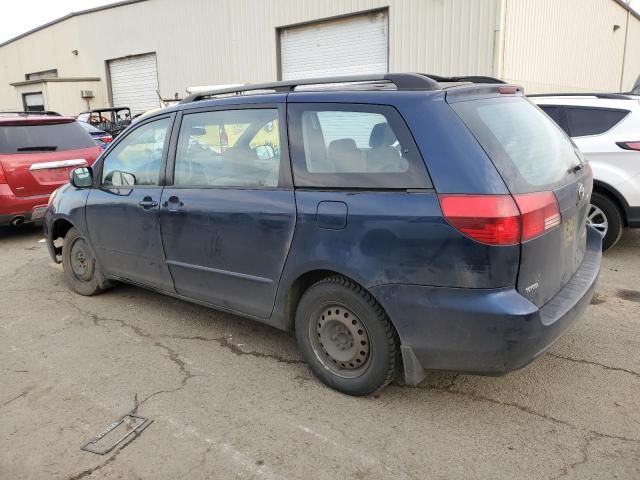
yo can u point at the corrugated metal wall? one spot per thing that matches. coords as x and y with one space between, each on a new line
567 45
204 42
632 57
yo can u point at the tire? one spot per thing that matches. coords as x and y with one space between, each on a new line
81 271
606 217
346 337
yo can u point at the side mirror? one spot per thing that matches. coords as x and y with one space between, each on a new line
82 177
265 152
122 179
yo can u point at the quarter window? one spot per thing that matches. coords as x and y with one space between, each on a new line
353 146
229 148
136 160
593 121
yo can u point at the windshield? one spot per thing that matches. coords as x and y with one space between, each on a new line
529 150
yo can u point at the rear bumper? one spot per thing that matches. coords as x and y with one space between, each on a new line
28 208
490 331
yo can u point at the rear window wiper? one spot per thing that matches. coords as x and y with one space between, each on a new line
47 148
576 168
39 148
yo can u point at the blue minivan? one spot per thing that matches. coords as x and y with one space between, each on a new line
393 222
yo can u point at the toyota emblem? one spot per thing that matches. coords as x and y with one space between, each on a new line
580 193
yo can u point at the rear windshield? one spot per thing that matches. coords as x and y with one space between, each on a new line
529 150
43 138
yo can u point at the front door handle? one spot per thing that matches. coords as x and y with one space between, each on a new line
147 203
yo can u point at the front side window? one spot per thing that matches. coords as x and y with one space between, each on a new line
353 146
136 160
229 148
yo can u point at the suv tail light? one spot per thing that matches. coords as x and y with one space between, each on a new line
3 179
106 139
629 145
502 219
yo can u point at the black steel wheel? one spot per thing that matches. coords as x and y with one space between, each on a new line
82 272
346 337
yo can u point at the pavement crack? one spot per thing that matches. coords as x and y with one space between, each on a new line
584 457
226 343
182 366
92 470
480 398
98 320
15 398
589 362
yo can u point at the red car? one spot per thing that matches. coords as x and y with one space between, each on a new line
37 152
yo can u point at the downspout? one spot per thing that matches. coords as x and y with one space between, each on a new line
624 51
499 39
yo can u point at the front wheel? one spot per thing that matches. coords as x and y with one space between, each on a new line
82 272
346 337
605 216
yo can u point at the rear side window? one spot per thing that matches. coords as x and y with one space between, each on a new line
528 149
43 138
555 112
585 121
353 146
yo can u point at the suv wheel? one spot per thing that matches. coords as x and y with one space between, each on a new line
605 217
346 337
82 272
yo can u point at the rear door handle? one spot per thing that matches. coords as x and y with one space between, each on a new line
147 203
173 204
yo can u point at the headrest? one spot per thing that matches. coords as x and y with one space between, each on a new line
342 145
382 136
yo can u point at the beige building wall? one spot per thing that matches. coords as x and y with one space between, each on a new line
204 42
632 57
544 45
568 45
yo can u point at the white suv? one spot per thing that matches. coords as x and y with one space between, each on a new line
606 128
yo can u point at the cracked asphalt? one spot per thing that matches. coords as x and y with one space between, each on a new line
230 398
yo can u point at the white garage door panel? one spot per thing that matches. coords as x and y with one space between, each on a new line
134 83
350 46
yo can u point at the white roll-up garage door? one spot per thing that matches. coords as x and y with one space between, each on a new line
134 82
349 46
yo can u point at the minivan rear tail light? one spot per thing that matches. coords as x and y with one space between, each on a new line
539 213
502 219
629 145
491 219
3 179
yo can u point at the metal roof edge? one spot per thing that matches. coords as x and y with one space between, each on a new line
628 8
71 15
54 79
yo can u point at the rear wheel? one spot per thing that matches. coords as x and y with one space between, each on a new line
82 272
605 216
346 337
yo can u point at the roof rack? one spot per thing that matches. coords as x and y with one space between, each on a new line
44 112
610 96
402 81
466 79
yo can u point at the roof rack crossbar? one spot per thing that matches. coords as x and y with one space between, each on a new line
402 81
